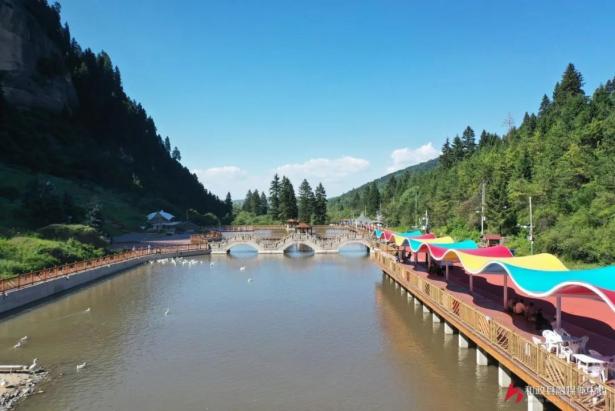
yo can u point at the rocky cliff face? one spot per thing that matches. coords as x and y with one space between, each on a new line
30 61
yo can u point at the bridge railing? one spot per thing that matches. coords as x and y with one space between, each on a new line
28 279
577 388
331 242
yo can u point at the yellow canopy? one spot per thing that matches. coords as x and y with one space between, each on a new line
475 264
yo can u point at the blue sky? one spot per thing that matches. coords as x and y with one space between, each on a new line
337 91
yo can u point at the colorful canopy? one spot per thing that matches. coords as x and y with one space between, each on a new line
539 275
416 244
543 283
402 238
442 253
437 251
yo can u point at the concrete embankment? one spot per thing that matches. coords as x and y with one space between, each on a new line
18 298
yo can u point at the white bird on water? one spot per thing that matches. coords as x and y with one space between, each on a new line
3 383
242 268
249 280
24 338
18 345
87 310
167 312
34 364
81 366
212 264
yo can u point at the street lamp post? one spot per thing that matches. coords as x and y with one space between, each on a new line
482 211
531 228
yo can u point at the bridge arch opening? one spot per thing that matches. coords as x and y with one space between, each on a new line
242 249
299 250
354 249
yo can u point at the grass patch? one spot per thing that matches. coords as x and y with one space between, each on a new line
25 253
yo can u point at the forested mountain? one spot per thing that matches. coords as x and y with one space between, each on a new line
64 112
368 198
563 156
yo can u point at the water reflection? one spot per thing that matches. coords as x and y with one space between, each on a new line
448 377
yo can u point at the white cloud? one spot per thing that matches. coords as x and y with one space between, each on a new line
405 157
337 175
324 169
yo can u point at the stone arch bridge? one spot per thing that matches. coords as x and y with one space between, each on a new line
318 244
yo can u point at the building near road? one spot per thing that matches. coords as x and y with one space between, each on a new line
161 220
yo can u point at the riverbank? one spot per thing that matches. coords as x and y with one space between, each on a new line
35 287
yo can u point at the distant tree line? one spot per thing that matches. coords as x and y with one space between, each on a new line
309 205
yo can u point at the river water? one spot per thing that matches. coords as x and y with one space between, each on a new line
294 332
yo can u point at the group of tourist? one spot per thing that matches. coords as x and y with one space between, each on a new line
528 310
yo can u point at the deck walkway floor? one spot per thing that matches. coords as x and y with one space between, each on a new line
578 315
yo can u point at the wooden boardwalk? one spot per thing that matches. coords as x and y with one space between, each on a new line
481 321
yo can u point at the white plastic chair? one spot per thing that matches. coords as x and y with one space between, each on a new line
553 341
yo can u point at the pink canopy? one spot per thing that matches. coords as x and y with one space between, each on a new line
498 251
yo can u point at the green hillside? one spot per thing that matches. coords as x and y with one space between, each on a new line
101 146
79 159
563 156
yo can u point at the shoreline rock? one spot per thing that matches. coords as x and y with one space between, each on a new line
18 385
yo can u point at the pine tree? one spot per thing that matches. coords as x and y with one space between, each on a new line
263 206
228 205
457 150
274 197
95 218
3 104
446 157
228 202
390 189
469 142
40 204
524 165
488 139
255 202
571 84
320 205
544 105
373 199
288 201
305 202
167 144
176 155
247 202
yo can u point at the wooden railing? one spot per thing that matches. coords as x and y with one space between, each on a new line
556 377
28 279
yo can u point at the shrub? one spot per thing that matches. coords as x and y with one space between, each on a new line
82 233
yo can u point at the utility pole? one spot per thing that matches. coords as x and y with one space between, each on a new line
426 222
416 208
482 211
531 228
509 123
